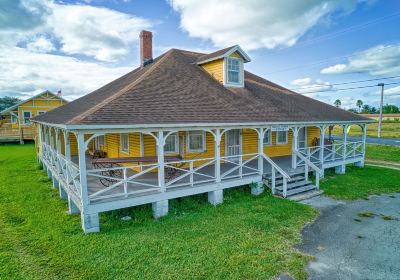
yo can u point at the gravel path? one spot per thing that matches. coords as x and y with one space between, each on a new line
354 239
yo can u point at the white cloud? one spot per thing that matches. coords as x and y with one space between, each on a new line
379 60
97 32
301 82
104 34
254 23
392 91
308 85
24 73
41 45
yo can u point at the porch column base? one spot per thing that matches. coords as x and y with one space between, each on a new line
90 222
322 175
216 197
72 208
341 169
63 193
257 190
49 175
359 163
160 208
56 184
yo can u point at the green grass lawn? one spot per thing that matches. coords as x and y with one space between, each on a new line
390 129
383 153
244 238
360 182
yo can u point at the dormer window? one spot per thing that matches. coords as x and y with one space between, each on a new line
233 70
226 65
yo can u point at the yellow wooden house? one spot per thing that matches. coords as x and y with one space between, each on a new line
187 123
16 122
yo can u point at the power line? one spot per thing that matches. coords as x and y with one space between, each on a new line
318 62
351 88
337 33
346 83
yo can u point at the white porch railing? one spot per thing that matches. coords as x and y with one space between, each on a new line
240 166
274 169
331 153
66 170
190 172
127 183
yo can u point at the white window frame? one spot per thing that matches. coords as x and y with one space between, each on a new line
120 143
23 116
99 145
270 138
241 75
305 138
203 134
15 118
277 138
175 134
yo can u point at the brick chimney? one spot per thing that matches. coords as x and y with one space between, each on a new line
146 47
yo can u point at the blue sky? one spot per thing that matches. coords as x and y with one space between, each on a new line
78 46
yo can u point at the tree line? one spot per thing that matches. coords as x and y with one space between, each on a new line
368 109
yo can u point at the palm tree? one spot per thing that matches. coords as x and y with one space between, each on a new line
359 105
337 103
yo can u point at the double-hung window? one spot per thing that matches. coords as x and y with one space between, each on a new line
195 141
99 142
233 71
124 142
14 118
281 137
27 117
171 144
267 138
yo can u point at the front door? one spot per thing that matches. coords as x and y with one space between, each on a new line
302 138
233 146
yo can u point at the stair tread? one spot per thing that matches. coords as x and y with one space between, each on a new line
302 189
294 185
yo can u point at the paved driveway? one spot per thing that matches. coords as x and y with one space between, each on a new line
349 245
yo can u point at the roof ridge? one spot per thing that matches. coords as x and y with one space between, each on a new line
121 92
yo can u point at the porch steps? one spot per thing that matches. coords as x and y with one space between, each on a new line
297 186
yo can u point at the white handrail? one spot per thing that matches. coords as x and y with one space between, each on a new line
280 170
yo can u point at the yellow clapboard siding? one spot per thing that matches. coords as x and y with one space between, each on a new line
215 69
249 145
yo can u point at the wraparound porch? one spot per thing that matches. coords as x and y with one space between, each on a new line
147 183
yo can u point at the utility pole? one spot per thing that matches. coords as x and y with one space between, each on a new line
382 85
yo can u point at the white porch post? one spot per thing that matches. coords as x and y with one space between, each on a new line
67 145
58 141
261 132
322 148
217 196
363 139
160 208
51 138
341 169
295 140
217 155
90 221
160 160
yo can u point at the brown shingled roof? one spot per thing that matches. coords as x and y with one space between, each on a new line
174 89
